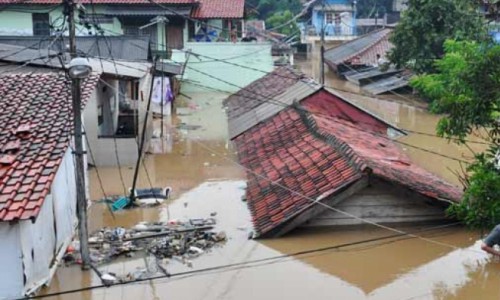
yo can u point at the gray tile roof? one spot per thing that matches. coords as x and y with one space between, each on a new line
249 119
261 90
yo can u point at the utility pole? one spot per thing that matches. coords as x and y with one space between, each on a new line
163 20
322 47
81 199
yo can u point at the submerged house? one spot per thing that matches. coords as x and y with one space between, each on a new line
115 113
363 61
37 179
315 159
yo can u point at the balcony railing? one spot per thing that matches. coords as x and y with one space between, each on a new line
341 33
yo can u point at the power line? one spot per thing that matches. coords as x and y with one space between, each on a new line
241 265
304 80
277 102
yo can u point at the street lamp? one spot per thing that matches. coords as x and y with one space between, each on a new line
79 68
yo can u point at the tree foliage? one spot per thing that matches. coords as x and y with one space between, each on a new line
466 88
480 206
419 36
281 18
266 8
369 8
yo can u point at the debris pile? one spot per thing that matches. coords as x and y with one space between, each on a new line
175 239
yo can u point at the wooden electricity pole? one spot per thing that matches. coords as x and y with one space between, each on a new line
81 199
322 48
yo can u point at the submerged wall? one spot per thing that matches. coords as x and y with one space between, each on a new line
383 202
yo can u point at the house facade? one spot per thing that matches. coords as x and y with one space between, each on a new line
186 20
37 178
315 159
336 17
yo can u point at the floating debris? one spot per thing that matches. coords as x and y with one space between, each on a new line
181 240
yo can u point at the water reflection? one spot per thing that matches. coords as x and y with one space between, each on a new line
205 182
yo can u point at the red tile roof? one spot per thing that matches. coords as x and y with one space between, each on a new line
386 159
35 124
99 2
219 9
319 153
283 150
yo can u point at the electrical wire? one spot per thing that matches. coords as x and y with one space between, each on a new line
305 80
277 102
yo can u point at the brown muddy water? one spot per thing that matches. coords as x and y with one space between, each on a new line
197 164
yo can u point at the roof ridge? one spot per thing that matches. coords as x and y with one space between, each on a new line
311 125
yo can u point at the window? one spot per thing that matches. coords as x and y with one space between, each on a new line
41 24
329 17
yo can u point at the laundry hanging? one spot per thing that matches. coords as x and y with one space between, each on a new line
168 95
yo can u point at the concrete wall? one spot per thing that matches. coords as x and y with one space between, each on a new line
29 252
104 148
253 55
21 23
382 202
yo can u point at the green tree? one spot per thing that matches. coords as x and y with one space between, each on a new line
281 18
466 88
267 8
419 36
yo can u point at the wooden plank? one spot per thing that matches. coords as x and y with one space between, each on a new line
316 209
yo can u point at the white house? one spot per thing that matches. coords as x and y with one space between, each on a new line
37 181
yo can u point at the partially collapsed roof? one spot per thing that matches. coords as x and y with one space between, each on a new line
312 149
361 51
35 130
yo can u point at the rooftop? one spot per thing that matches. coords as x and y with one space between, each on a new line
361 51
102 2
35 129
265 88
315 149
219 9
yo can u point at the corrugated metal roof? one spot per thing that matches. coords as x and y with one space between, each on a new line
349 50
117 47
146 11
169 68
295 93
386 85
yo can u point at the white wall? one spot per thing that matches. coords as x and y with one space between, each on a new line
103 149
248 55
29 250
11 270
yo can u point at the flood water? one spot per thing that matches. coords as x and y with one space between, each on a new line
198 163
